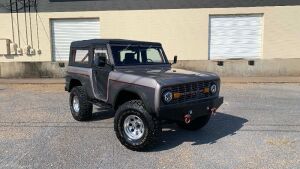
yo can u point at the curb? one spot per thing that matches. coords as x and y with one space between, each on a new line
33 81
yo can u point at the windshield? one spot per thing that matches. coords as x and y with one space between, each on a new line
126 55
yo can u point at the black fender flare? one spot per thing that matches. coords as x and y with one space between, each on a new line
142 94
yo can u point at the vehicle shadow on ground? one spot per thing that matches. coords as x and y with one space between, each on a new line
220 125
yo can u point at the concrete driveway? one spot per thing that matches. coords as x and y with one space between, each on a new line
257 127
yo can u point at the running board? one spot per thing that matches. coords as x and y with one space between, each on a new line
101 104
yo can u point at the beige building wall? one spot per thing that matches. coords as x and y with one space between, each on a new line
183 32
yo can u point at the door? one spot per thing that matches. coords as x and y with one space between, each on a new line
235 37
64 31
100 74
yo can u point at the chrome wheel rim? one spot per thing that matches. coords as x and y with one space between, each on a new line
76 104
134 127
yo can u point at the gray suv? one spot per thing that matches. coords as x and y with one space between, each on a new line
135 79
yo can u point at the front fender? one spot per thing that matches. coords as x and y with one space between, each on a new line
147 94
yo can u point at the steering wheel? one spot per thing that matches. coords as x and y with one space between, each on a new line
149 60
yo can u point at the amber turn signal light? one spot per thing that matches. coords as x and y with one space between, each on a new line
177 95
206 90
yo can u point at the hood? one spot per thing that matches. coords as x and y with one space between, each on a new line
169 76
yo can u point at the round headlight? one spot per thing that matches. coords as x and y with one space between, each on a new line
167 96
213 88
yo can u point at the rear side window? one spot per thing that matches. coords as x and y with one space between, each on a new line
81 56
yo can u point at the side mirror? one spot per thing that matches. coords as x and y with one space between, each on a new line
175 60
100 59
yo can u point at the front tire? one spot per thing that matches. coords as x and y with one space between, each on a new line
81 109
135 128
196 124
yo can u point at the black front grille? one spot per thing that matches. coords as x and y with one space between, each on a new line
190 91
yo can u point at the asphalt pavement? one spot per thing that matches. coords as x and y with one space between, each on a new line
258 126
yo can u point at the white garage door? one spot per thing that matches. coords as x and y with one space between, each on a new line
64 31
235 37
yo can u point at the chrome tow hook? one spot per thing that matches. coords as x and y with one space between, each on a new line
212 110
188 117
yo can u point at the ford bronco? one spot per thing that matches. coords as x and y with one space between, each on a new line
136 80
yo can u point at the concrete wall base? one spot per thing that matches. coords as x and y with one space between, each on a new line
241 68
230 68
32 70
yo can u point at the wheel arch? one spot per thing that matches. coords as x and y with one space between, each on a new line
125 95
73 83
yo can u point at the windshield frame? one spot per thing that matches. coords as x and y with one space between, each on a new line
164 58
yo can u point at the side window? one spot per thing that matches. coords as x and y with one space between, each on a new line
81 56
100 52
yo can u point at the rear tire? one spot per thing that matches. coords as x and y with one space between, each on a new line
81 109
196 124
135 128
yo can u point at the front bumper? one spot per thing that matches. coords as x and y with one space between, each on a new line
197 108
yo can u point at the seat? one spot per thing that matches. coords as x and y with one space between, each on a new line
129 59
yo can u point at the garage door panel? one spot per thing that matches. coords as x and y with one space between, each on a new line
233 47
240 48
92 29
234 41
65 31
236 31
235 36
